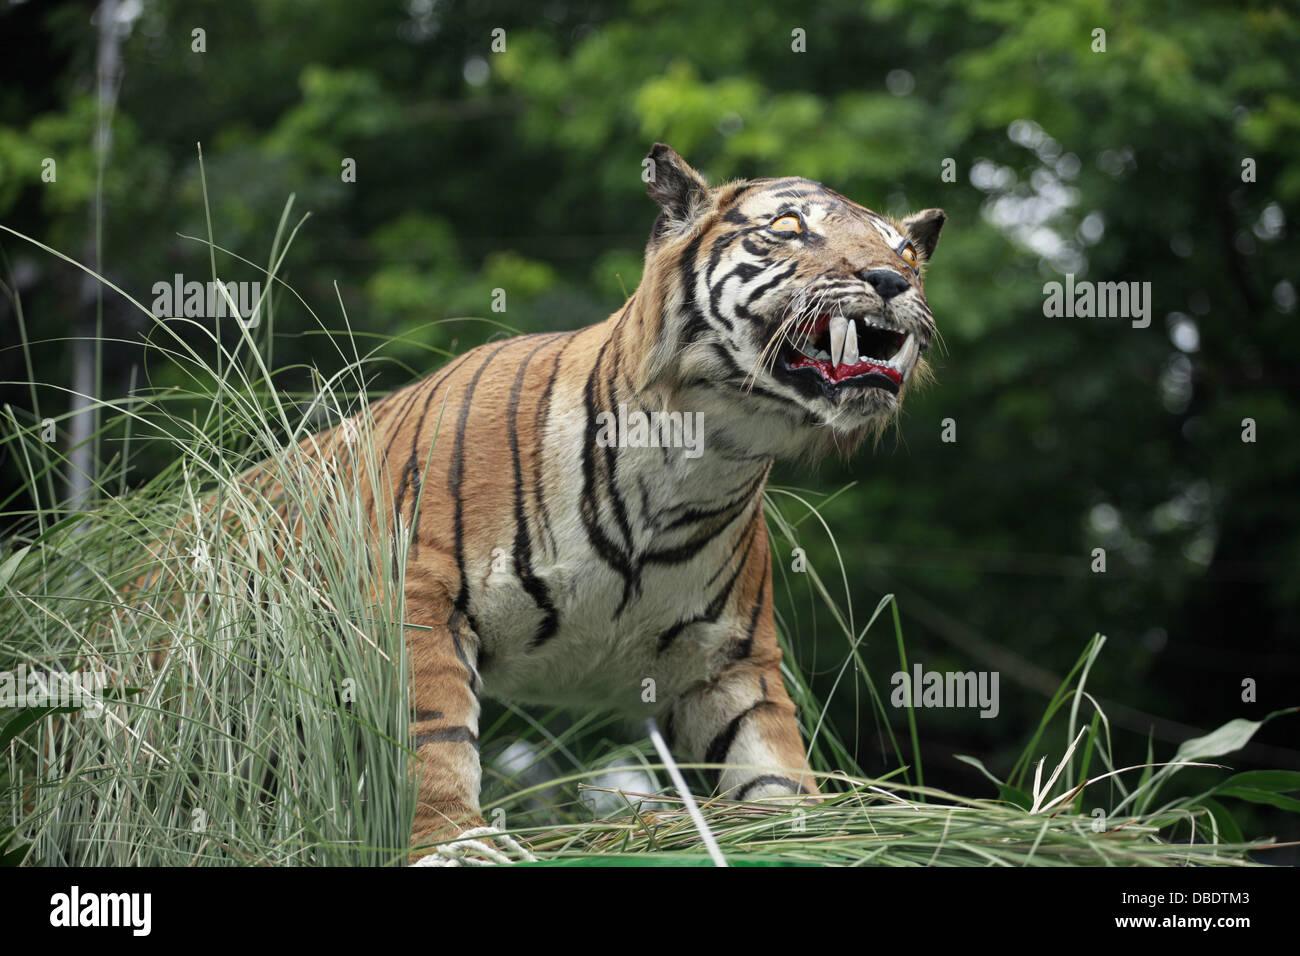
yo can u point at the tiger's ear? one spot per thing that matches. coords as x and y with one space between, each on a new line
678 189
923 229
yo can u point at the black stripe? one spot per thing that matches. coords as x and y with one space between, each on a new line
456 476
742 546
613 555
695 323
381 403
746 646
723 519
720 745
721 246
410 477
779 277
743 271
618 376
714 609
411 473
680 554
651 519
744 188
670 635
424 412
735 372
766 778
415 391
633 586
539 424
389 403
611 465
447 735
694 515
535 587
471 673
787 406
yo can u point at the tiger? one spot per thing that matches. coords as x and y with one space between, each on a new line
553 562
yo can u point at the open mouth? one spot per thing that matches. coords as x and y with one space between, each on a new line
858 351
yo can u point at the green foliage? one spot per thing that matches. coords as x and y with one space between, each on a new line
1073 434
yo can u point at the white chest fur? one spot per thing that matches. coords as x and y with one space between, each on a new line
643 626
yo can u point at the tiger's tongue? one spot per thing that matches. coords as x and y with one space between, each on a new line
843 333
838 373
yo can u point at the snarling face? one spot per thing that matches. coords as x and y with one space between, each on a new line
789 304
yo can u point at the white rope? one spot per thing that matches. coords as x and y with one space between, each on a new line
680 783
457 853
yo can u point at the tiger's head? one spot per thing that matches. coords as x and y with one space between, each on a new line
786 311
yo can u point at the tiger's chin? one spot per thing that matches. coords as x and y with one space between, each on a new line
861 415
818 427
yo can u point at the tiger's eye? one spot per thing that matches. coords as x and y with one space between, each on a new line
909 255
787 223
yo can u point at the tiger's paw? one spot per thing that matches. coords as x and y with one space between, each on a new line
478 846
775 789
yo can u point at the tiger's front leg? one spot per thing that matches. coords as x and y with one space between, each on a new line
744 718
445 688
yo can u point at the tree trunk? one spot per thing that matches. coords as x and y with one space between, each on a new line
89 327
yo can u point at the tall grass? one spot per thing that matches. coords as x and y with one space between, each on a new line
274 727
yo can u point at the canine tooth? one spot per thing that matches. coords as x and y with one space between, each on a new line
851 345
839 328
906 357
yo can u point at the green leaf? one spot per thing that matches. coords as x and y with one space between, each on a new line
1255 795
58 526
1232 736
1229 738
1005 791
978 765
11 855
1262 786
1229 832
1010 794
27 717
1276 781
10 565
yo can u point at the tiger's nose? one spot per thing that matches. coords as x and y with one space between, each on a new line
887 282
